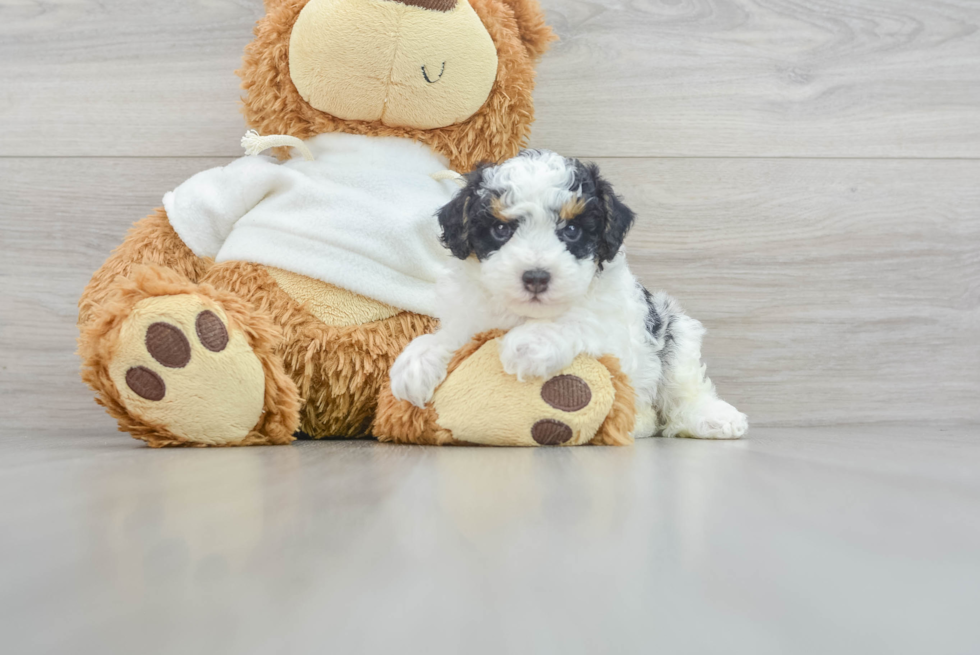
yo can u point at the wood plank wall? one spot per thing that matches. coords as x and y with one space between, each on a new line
807 176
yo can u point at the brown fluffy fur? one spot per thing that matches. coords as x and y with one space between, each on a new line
616 429
325 379
335 373
339 371
496 132
150 241
99 336
535 33
402 422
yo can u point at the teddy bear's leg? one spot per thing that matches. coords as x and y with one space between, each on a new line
338 363
590 401
151 241
179 363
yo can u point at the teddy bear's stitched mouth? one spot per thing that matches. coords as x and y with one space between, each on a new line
425 74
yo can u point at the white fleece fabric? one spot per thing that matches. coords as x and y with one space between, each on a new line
361 216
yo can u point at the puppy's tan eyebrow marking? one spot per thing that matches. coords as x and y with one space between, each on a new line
572 208
497 209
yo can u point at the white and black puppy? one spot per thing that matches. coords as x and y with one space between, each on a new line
537 242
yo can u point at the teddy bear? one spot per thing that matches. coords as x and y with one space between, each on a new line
269 298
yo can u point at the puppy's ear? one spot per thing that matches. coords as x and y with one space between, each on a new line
454 217
617 218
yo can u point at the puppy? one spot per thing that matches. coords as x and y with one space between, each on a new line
537 245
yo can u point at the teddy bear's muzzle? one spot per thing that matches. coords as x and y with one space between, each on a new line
380 61
434 5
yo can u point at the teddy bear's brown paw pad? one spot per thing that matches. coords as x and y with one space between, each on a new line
549 432
178 366
167 344
480 403
145 383
568 393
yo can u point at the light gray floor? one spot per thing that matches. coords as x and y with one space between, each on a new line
833 540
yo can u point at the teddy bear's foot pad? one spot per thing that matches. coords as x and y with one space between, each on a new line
178 366
568 393
167 344
480 403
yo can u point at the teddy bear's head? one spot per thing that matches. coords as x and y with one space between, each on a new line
454 74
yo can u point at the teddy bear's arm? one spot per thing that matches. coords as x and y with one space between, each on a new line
208 203
204 209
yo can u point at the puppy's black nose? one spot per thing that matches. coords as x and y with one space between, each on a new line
536 281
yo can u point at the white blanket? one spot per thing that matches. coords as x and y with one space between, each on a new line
360 216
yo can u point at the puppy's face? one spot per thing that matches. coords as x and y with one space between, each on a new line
540 227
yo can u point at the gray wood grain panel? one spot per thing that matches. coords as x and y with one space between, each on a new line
870 78
59 220
829 78
95 77
833 291
804 541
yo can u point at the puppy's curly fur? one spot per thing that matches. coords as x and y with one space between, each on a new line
538 252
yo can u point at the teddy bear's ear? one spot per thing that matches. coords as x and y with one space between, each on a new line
272 5
535 33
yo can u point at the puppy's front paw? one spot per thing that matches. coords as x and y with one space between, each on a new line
419 370
529 353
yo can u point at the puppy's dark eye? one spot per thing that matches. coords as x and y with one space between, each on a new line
570 233
502 231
